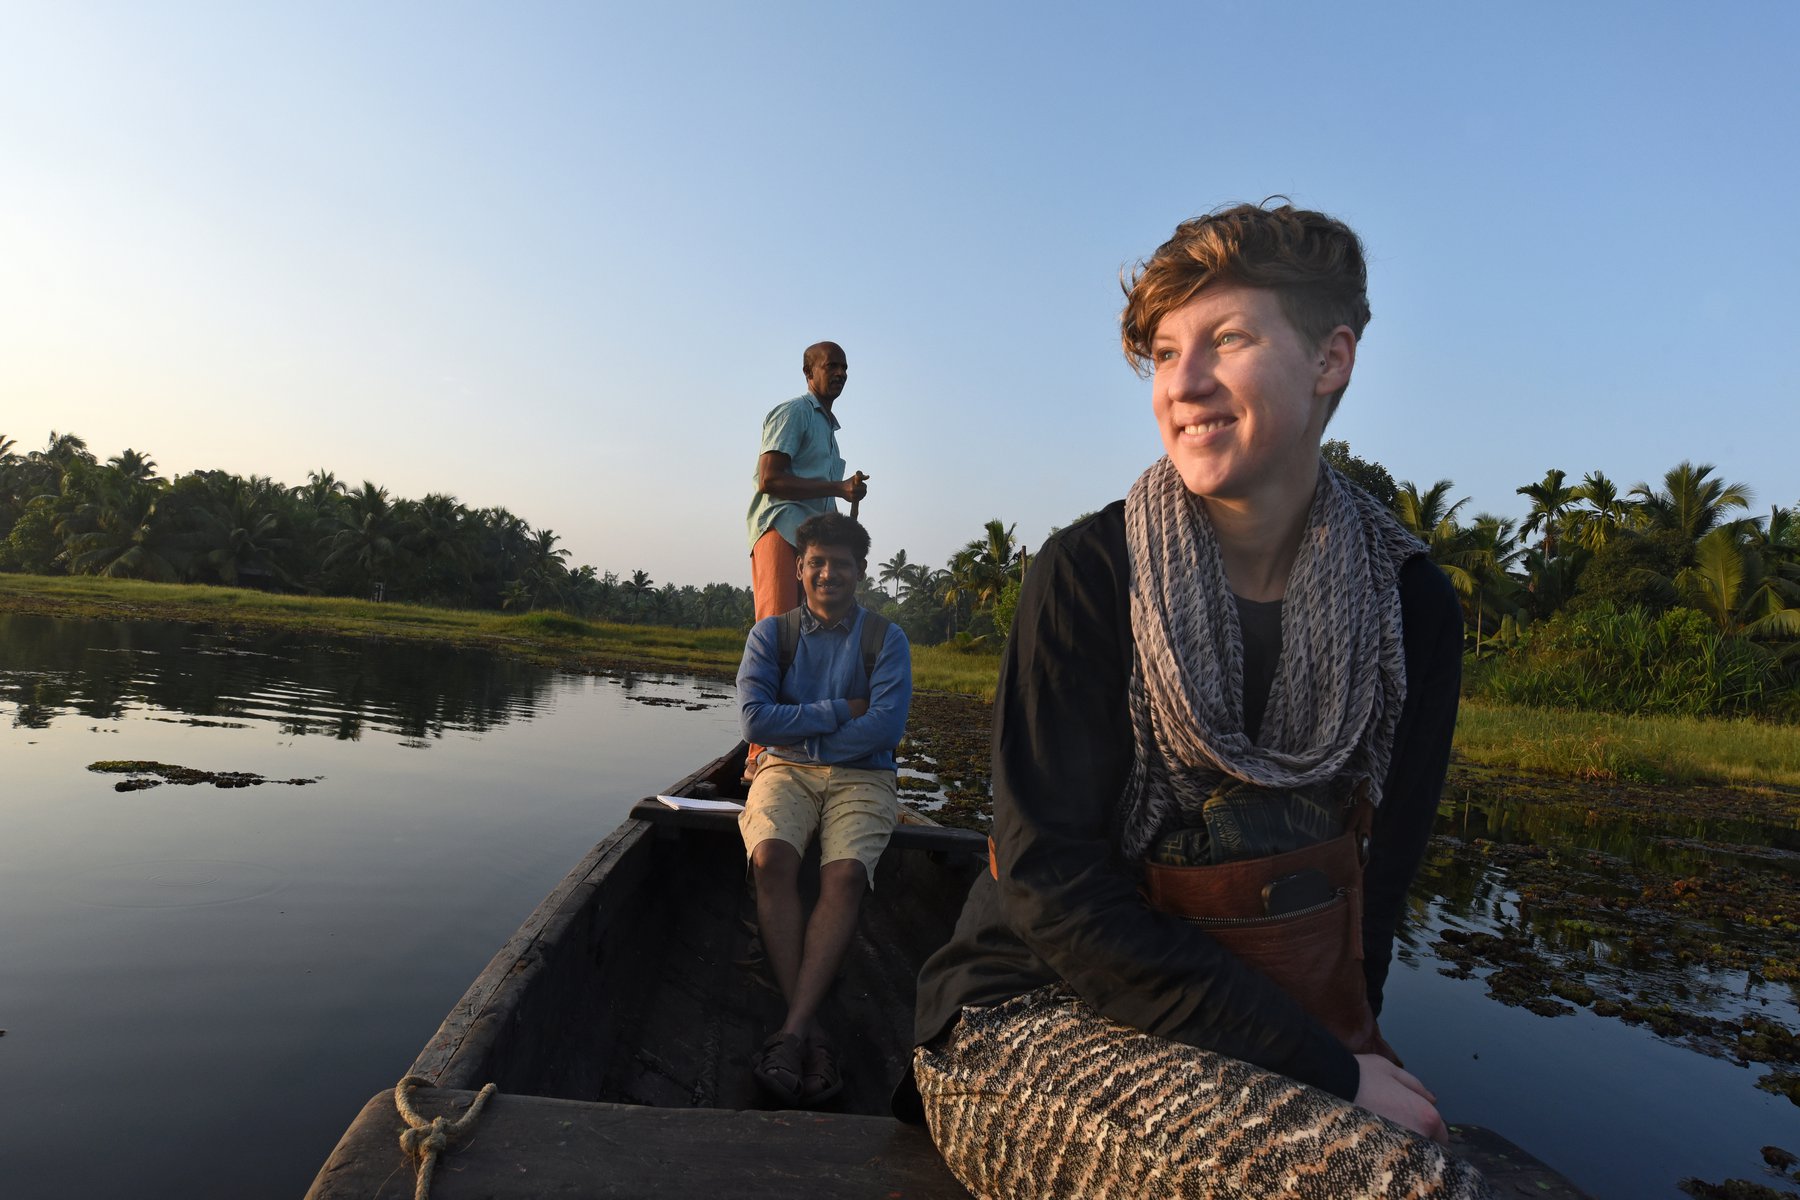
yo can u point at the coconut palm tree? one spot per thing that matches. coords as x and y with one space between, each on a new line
364 539
1430 516
1422 512
719 607
984 565
138 468
434 533
664 603
1480 568
244 530
1551 501
1730 582
321 492
123 538
640 588
65 450
893 570
1607 513
546 567
914 580
12 489
954 588
1549 582
41 472
1777 539
1690 502
505 542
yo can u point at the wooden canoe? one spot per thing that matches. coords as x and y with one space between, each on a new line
620 1020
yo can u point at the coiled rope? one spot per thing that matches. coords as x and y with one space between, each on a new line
423 1141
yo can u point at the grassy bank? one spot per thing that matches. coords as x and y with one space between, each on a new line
1588 745
1598 746
551 638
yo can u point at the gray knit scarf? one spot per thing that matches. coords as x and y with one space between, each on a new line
1339 683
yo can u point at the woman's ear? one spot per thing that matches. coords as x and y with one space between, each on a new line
1336 360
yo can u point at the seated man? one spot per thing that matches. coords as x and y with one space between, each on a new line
828 695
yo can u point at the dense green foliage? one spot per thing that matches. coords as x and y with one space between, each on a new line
1659 599
960 603
63 512
1601 658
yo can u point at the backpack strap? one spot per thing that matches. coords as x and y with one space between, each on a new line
874 637
787 638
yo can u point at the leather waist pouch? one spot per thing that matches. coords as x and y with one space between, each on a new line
1314 955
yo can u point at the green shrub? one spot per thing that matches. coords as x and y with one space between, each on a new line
557 623
1004 607
1633 571
32 546
1630 660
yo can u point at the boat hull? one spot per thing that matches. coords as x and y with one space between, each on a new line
619 1024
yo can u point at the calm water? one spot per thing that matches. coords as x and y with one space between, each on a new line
201 986
1622 1112
218 979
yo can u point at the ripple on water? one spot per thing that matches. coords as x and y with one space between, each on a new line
175 883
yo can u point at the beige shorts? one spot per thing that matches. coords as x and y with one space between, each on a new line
853 810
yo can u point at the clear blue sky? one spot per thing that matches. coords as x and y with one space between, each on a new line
564 257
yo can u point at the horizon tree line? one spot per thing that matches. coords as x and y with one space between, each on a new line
1687 542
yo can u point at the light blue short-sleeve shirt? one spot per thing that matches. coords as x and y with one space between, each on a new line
806 432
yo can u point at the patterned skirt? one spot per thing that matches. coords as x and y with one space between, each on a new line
1042 1097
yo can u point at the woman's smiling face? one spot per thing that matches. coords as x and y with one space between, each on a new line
1240 398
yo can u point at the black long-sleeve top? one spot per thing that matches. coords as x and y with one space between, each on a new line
1066 909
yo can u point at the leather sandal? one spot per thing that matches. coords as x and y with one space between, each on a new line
778 1070
821 1080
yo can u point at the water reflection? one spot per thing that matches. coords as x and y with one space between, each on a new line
52 669
271 958
1670 843
1682 924
1646 973
316 936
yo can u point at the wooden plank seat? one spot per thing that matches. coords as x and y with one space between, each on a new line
523 1147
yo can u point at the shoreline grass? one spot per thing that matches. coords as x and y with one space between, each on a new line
550 638
1735 752
1582 745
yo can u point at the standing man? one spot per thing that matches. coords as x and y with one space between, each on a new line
799 474
831 715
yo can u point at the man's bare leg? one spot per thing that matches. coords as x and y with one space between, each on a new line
828 933
779 917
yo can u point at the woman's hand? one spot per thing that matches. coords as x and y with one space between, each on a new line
1390 1092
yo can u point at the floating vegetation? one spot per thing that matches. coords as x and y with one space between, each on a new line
153 774
1678 916
947 739
1734 1189
670 702
1781 1083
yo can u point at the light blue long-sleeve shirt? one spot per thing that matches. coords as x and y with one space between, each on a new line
806 717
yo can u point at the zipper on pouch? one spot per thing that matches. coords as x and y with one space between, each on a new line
1238 922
